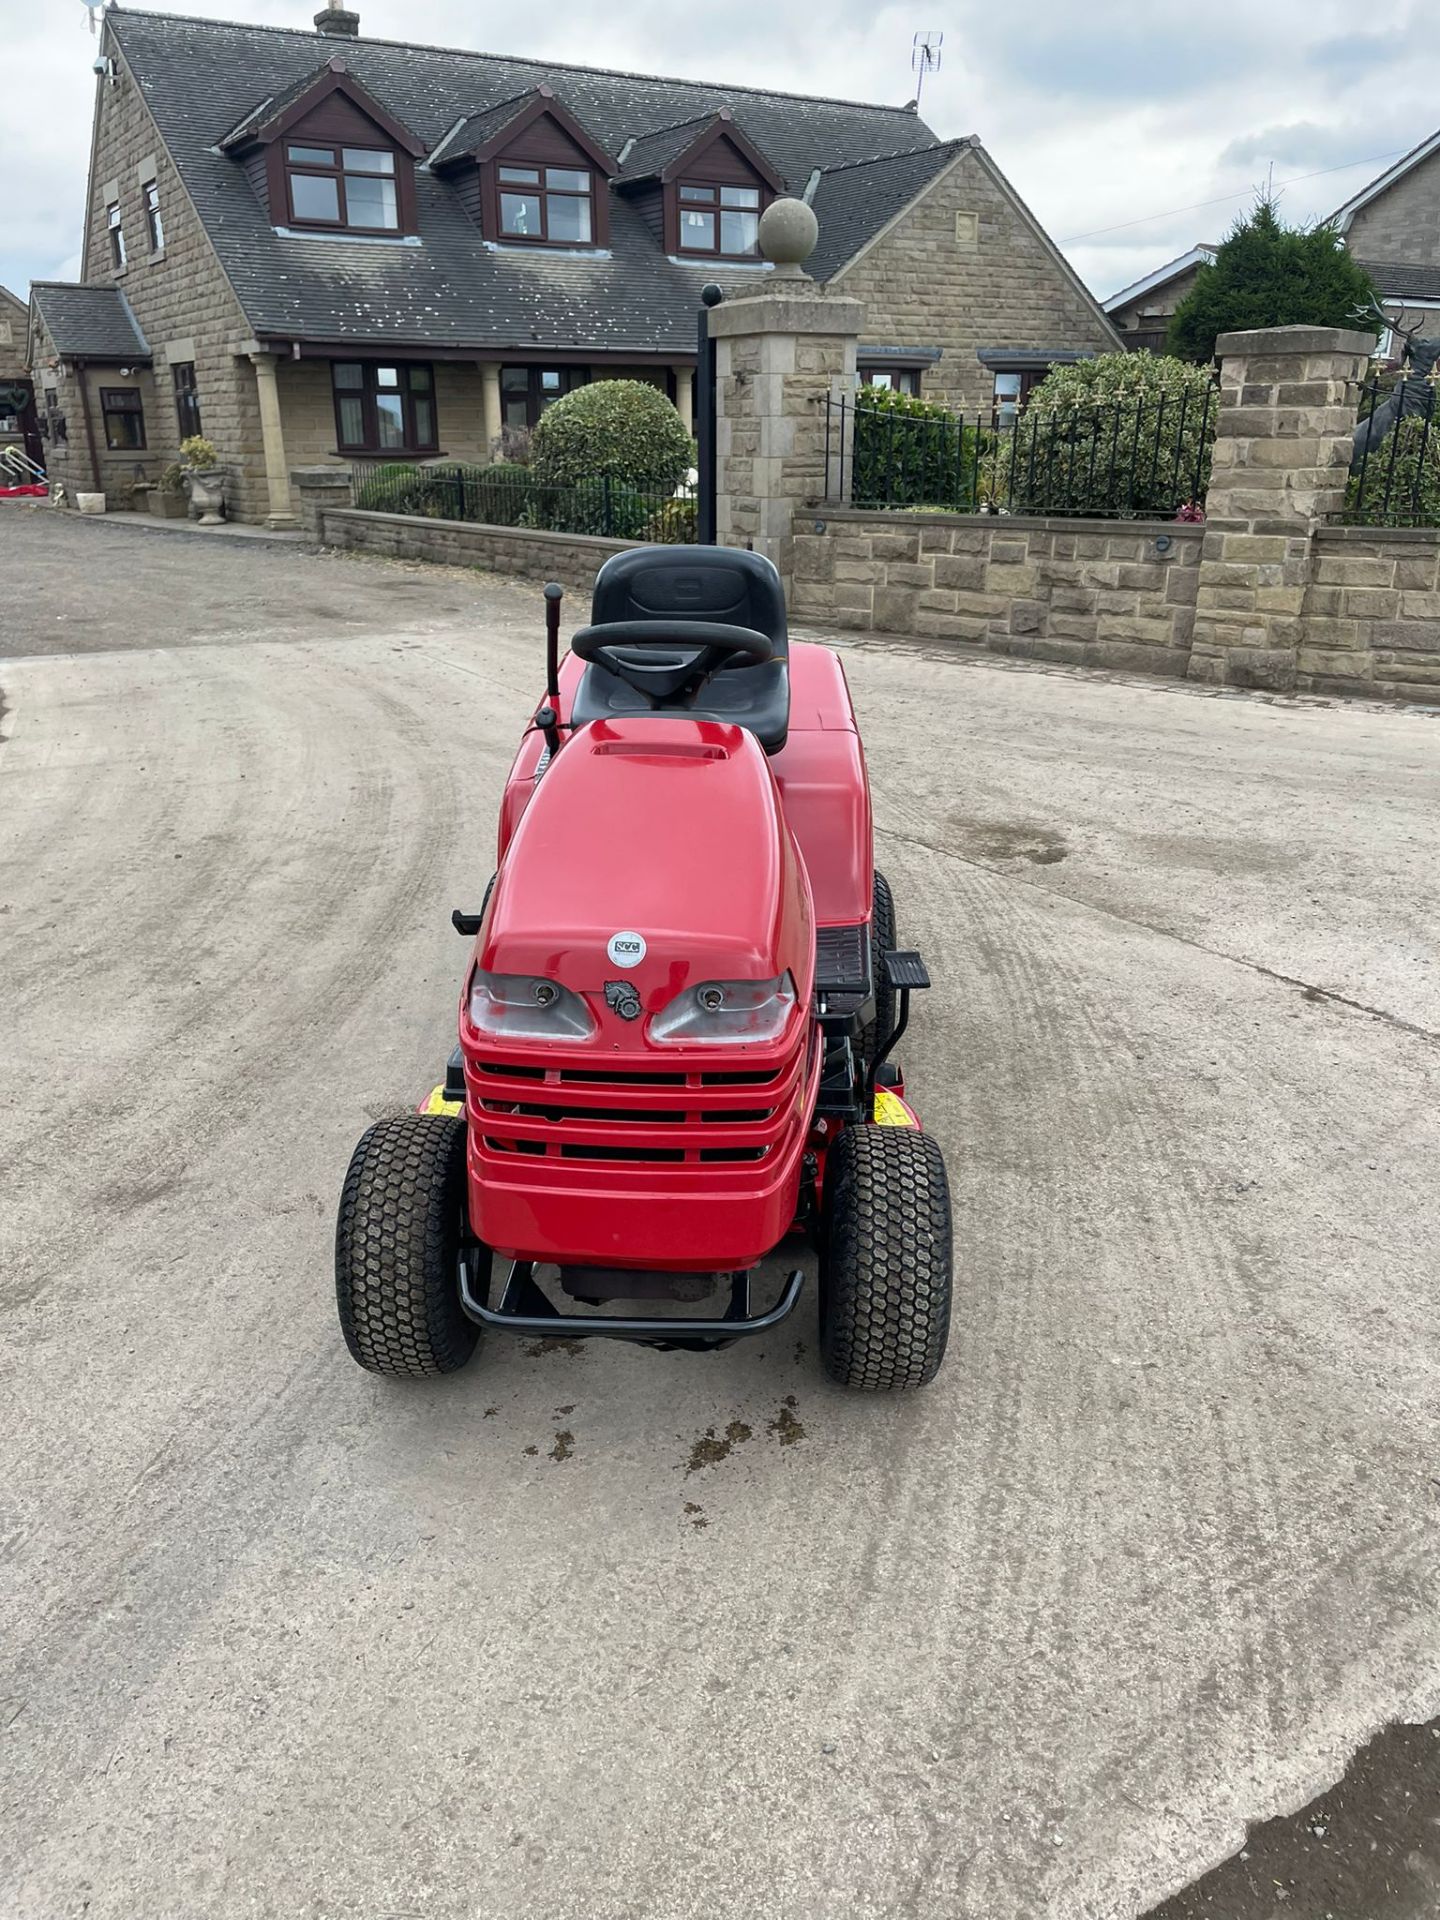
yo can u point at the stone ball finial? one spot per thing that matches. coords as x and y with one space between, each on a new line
788 235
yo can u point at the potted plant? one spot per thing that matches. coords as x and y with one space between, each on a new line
205 478
168 498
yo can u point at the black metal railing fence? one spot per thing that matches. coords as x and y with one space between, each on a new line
1145 456
513 497
1395 474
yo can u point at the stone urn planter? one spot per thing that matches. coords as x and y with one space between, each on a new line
207 492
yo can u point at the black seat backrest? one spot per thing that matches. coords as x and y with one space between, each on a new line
727 584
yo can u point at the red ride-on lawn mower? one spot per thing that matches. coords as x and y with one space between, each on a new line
677 1027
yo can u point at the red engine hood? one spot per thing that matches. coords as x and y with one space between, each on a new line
668 829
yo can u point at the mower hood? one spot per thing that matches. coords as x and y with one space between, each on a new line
654 853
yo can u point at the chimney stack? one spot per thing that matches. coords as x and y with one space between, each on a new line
337 21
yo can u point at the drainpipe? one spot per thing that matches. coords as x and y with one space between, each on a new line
79 366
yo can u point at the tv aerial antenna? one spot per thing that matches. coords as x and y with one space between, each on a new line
95 8
925 58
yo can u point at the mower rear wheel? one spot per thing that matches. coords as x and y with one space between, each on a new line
397 1244
885 1259
882 941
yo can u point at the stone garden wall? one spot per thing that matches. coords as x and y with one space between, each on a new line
1087 592
571 558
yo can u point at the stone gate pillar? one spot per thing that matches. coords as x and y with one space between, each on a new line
1282 456
781 353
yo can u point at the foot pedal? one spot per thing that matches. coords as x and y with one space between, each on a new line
906 971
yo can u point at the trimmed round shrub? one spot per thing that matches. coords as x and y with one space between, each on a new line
1124 433
621 428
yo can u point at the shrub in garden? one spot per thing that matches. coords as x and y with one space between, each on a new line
496 495
1402 477
675 525
623 429
911 452
591 506
1266 274
1125 433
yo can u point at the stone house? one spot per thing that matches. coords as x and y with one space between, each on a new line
17 411
317 248
1392 226
1142 312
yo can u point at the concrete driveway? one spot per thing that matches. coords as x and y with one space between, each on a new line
1155 1553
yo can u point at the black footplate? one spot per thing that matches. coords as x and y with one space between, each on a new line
842 959
905 969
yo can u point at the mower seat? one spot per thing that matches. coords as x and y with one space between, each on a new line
696 583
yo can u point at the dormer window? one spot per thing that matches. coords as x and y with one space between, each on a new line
551 205
327 157
718 220
350 187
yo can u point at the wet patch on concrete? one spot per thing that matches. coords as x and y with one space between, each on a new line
696 1515
786 1426
537 1348
1368 1849
1008 840
564 1447
711 1448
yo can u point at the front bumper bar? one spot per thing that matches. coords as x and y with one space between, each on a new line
525 1309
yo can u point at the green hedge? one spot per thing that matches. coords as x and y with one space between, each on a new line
911 452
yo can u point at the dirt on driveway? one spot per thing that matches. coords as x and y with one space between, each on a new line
591 1632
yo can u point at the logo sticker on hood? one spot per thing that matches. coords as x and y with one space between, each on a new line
626 949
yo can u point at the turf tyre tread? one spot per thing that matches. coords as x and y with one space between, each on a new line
882 941
396 1246
886 1259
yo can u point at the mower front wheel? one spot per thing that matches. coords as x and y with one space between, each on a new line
397 1245
885 1259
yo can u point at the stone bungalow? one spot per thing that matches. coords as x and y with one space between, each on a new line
316 247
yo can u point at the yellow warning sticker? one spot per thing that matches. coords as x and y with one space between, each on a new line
891 1110
437 1103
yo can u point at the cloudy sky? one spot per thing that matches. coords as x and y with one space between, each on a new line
1114 121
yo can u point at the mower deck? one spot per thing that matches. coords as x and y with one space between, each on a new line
524 1308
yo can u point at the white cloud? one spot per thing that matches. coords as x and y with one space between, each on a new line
1104 117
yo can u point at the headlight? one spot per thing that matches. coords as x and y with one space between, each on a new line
724 1011
516 1006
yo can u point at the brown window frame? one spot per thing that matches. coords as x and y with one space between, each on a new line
544 193
115 227
717 209
537 397
901 379
154 220
122 403
187 398
339 173
368 391
1005 409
